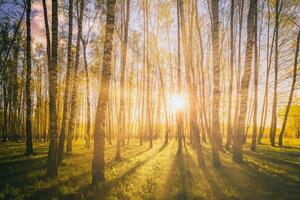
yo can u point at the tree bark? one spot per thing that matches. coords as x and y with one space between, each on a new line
266 96
215 132
274 104
148 76
229 124
256 61
87 88
243 106
204 120
29 148
67 86
121 132
74 105
192 90
99 131
52 70
291 92
239 67
179 114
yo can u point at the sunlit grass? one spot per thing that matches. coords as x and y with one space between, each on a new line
157 173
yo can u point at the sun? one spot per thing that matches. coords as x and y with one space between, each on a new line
177 102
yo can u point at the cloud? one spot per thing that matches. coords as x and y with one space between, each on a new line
37 20
38 23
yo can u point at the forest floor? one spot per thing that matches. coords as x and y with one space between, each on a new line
157 173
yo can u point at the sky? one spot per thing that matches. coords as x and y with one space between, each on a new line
14 8
37 23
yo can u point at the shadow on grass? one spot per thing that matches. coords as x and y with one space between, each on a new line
271 160
213 184
125 159
55 191
269 173
15 172
249 180
290 147
183 175
177 183
103 189
19 172
257 178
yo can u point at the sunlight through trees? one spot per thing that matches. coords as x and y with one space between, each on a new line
217 78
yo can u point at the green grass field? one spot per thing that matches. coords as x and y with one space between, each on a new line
157 173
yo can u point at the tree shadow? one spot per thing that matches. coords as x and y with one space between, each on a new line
183 177
290 147
55 191
15 172
104 188
163 146
271 185
271 160
213 184
176 186
250 181
114 162
7 159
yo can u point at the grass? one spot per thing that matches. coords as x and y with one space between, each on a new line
157 173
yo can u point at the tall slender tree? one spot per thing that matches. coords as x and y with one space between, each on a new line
231 66
52 70
204 120
238 137
29 148
99 130
149 115
48 47
215 132
179 114
291 92
256 61
67 86
122 116
239 66
278 6
192 90
74 98
87 87
266 93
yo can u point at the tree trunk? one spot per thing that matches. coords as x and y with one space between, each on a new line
29 149
205 124
87 87
48 47
238 78
52 70
67 87
229 124
74 105
5 106
291 92
193 118
266 96
274 104
121 132
256 61
148 75
243 106
163 94
215 132
179 114
99 131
